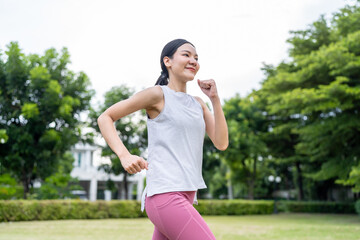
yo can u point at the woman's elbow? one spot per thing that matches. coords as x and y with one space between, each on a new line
101 118
223 147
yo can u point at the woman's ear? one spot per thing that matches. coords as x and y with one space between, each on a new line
167 61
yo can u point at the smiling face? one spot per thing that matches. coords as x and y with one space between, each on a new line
184 63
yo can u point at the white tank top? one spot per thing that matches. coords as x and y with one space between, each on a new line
175 144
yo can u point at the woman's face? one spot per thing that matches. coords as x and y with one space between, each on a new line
184 63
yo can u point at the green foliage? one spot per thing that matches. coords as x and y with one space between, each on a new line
357 207
214 171
30 110
316 207
19 210
3 136
67 209
313 101
234 207
347 20
247 151
40 103
58 186
304 42
218 182
353 180
9 188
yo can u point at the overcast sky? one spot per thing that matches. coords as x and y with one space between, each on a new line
116 41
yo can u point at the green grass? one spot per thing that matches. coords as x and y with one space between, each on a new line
255 227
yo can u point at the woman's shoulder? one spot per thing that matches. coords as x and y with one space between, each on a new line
155 92
151 95
199 100
202 103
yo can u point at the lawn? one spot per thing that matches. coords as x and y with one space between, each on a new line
264 227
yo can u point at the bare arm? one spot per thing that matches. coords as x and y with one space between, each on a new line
216 126
146 99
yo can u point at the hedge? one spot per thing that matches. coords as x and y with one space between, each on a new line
27 210
316 207
235 207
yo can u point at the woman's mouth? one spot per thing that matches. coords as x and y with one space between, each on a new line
191 69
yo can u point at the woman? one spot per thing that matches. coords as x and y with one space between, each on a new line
176 127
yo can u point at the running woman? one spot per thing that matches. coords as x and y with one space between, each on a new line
176 123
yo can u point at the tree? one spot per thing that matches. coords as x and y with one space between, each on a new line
280 138
214 171
353 180
305 41
40 104
246 150
59 185
131 128
316 97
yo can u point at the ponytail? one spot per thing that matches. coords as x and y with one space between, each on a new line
163 79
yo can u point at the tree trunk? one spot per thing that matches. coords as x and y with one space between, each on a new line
230 190
251 190
252 181
26 184
300 182
126 186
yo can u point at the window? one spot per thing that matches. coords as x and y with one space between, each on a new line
91 158
79 159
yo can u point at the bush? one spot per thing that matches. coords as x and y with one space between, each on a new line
9 189
357 207
58 186
315 207
234 207
27 210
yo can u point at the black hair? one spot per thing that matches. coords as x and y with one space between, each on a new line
168 51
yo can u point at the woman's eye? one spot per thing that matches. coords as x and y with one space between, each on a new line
186 55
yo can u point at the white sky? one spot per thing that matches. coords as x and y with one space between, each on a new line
117 41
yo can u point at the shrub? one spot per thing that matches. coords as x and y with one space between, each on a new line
26 210
315 207
9 189
234 207
357 207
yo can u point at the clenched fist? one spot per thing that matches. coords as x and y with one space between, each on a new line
208 87
133 164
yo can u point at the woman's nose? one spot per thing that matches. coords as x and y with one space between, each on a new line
193 61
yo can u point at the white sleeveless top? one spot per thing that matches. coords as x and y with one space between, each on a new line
175 144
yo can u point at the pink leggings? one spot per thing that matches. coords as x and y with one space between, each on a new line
175 218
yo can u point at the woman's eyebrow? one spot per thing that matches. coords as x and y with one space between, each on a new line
188 52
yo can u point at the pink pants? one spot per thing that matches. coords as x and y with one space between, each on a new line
175 218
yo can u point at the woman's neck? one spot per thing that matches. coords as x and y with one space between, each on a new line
177 86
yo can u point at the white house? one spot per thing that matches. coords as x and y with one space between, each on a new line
87 160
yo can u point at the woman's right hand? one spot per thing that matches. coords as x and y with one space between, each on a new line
133 164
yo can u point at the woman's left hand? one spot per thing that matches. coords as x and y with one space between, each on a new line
208 87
